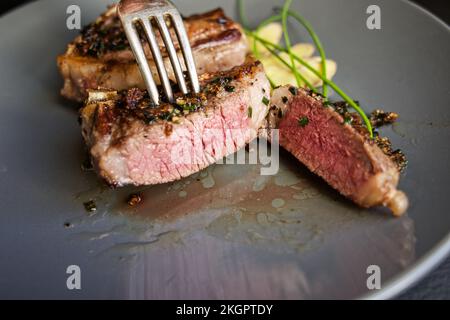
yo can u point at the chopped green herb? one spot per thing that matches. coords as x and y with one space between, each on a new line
90 206
348 120
285 100
166 116
229 88
303 122
250 112
222 81
190 107
265 101
120 47
293 90
148 117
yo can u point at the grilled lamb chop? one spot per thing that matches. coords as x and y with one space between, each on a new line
101 55
133 142
339 152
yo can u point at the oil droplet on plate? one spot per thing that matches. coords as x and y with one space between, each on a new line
207 180
182 194
286 179
306 194
278 203
262 218
260 183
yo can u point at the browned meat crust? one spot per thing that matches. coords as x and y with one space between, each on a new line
101 56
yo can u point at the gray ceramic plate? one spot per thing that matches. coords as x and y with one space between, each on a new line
217 234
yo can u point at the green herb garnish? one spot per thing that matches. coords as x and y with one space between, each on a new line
272 47
307 26
242 15
190 107
265 101
287 40
348 120
303 122
330 83
148 117
90 206
250 112
275 54
318 44
166 116
229 88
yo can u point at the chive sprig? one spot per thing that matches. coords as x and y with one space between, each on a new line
274 48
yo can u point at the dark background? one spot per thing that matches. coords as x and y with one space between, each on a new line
437 284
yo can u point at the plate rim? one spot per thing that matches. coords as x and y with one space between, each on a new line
435 256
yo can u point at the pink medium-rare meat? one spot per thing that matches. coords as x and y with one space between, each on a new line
339 152
101 55
132 142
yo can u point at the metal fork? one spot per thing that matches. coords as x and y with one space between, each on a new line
144 12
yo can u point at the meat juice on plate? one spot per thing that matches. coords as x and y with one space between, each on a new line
231 220
291 210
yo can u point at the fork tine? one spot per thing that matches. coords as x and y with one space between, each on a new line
139 53
154 47
186 49
172 53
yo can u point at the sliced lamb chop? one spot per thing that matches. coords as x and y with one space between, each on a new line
340 152
133 142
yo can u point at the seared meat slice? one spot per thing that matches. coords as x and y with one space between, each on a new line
133 142
101 55
341 153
